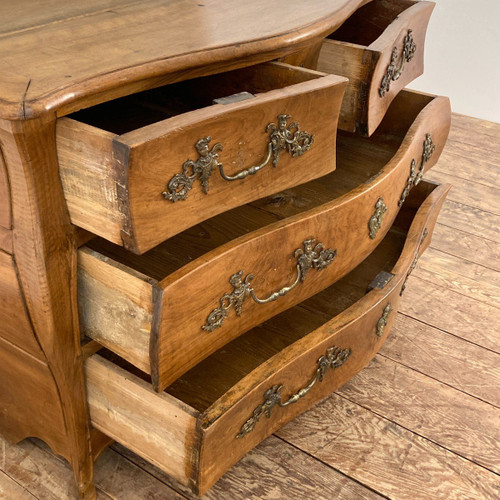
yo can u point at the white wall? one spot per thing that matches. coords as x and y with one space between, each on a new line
462 56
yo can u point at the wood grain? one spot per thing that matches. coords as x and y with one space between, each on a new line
10 489
311 210
280 471
21 414
134 50
410 398
16 327
385 456
361 50
468 318
444 357
121 178
467 246
470 279
5 208
469 193
44 247
472 220
159 427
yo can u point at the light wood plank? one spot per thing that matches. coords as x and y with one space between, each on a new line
10 490
447 358
466 165
462 276
470 193
467 246
429 408
386 457
480 134
471 220
274 469
40 473
452 312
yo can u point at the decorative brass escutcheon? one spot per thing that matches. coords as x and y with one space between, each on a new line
282 137
395 68
375 222
382 322
334 357
416 176
313 256
414 263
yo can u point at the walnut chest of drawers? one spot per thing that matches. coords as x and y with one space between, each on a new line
208 214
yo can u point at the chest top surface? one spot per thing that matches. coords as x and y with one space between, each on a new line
61 55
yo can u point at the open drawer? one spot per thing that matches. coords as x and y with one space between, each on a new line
168 309
219 410
380 48
143 168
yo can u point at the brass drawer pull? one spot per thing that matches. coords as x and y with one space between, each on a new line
282 137
416 177
334 357
375 222
395 68
414 263
382 322
314 255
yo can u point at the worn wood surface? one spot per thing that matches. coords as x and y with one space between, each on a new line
342 448
185 427
120 178
316 209
142 45
5 208
44 248
361 50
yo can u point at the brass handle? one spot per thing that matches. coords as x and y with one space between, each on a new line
416 176
282 137
314 255
415 260
334 357
395 68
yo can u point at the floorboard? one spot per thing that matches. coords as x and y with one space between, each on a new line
422 421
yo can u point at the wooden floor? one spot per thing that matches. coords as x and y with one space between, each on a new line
421 421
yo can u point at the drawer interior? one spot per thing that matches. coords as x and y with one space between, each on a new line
358 160
145 108
204 384
370 21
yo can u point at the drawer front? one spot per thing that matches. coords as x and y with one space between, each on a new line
156 181
217 297
313 367
379 70
186 443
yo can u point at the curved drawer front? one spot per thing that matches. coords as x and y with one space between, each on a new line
166 328
210 409
380 49
152 182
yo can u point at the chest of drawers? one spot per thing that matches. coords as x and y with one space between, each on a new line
204 229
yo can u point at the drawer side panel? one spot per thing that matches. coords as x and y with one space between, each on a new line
156 426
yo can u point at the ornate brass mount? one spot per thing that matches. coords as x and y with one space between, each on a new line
414 263
395 68
375 222
334 357
416 176
382 322
314 255
282 137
